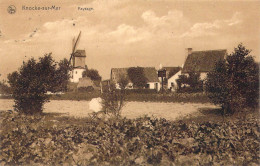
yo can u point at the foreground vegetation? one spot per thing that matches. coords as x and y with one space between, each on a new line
54 140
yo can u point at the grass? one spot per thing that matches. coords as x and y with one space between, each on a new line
216 116
6 97
76 96
172 97
141 97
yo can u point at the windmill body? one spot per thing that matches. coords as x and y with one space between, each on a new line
77 62
78 65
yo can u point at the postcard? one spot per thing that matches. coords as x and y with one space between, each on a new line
129 82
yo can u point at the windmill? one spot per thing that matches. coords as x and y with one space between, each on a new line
77 61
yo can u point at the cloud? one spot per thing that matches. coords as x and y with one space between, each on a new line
173 17
128 34
212 28
65 23
173 22
236 19
66 29
155 27
24 38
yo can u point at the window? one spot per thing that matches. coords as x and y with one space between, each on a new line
76 72
156 86
147 86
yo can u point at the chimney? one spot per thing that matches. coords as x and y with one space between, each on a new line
160 67
189 51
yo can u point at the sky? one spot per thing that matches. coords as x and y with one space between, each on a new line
124 33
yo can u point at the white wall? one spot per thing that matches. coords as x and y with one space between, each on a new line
76 75
203 75
129 86
173 80
152 85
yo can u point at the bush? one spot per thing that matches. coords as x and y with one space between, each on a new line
234 83
92 74
4 88
114 99
31 82
86 89
141 91
45 140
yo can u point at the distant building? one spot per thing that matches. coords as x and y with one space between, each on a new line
79 66
170 71
116 74
105 85
172 83
150 74
87 84
202 61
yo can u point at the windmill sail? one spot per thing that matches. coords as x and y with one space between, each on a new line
74 47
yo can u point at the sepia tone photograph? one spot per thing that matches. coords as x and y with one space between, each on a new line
129 82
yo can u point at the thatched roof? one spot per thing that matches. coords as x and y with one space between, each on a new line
116 73
86 82
203 61
150 74
172 70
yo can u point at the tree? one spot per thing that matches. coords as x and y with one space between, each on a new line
137 77
234 82
62 75
190 82
194 80
47 66
92 74
4 88
123 82
31 82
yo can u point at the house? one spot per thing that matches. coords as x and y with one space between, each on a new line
170 71
87 84
172 83
78 64
105 85
152 78
150 74
116 74
202 61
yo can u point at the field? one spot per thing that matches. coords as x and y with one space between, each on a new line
169 111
